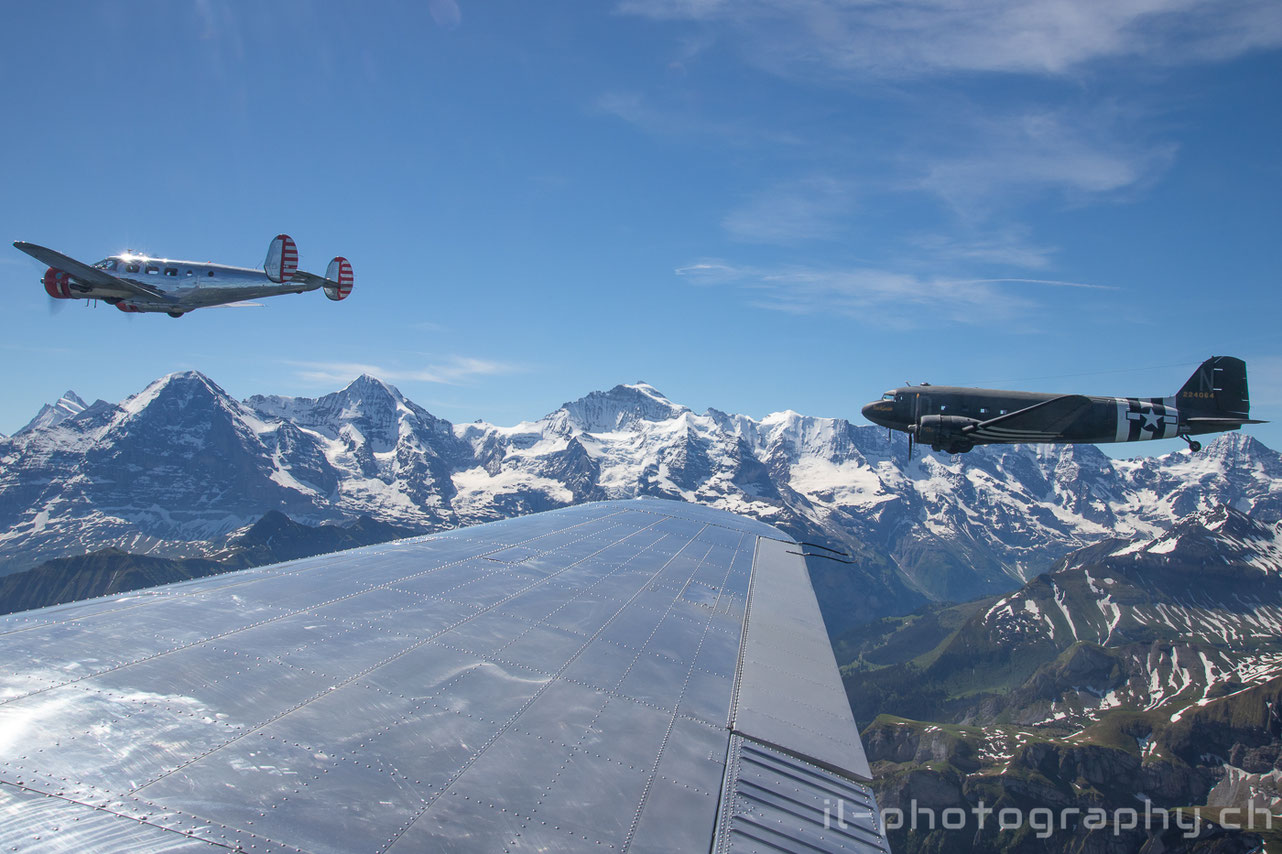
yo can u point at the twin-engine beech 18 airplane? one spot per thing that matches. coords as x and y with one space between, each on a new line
133 282
957 419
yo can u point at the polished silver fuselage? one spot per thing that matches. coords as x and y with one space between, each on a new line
189 284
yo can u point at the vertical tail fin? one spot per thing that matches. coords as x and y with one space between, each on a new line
282 259
1218 388
339 278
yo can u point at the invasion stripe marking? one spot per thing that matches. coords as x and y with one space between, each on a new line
1123 425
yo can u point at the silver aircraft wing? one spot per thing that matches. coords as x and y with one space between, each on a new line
1221 423
88 274
626 676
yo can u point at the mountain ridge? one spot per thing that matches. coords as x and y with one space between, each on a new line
176 468
1139 670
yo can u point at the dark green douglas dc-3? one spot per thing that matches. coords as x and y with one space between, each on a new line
953 419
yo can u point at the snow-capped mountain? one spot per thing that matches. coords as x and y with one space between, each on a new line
954 527
177 467
365 450
1147 669
167 470
60 410
1167 622
181 464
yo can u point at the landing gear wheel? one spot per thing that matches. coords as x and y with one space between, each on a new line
177 313
1195 446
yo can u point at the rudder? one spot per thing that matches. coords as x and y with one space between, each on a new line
1217 387
339 279
282 259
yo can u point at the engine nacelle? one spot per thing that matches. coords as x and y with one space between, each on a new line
340 274
946 433
57 284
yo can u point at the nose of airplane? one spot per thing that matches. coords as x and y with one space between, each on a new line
878 412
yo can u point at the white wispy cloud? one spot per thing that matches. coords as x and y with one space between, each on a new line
808 209
456 370
879 296
993 160
1009 247
927 37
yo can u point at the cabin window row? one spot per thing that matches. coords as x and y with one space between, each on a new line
983 410
943 407
111 265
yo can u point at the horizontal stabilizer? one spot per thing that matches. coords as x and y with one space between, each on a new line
1048 417
1216 422
336 283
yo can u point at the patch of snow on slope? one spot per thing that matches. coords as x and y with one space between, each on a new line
476 485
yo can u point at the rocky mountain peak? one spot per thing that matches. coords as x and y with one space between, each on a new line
70 401
367 402
180 381
67 406
180 390
1236 447
1217 534
620 408
793 436
372 389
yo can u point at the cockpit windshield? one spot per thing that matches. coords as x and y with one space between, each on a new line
108 264
890 395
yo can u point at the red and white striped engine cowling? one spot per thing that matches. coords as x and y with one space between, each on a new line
57 284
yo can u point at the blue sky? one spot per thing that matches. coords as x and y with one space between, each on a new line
752 205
